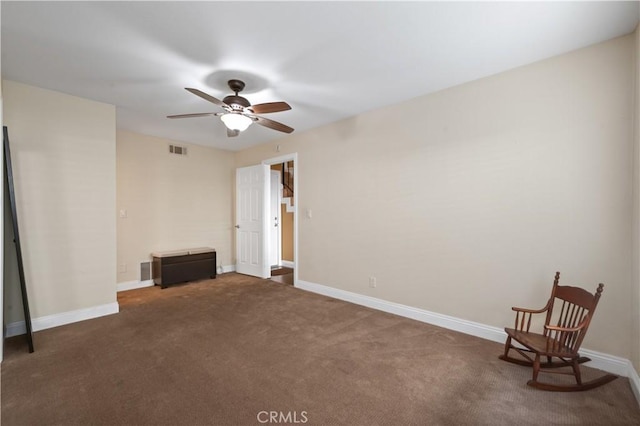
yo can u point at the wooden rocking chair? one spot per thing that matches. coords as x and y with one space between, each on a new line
561 341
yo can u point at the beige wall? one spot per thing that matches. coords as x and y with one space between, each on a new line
63 154
465 202
172 201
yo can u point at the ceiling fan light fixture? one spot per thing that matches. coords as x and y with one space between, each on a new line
236 121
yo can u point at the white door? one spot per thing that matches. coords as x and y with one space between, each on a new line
274 219
252 238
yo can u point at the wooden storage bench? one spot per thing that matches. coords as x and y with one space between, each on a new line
171 267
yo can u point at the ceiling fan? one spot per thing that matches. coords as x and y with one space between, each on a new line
238 112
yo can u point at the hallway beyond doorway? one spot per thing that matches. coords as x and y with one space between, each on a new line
282 274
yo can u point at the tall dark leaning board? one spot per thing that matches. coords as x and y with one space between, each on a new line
8 171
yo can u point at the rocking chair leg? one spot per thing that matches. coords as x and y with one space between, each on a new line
536 368
507 346
576 371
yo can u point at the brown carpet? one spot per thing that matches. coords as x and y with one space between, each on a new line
220 352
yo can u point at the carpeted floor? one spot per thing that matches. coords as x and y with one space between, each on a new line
232 350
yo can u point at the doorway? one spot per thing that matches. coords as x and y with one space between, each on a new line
285 219
253 224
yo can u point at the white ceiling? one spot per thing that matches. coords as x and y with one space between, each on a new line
329 60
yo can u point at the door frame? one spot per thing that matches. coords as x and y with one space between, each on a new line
296 190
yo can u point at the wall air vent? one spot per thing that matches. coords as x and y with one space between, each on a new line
178 150
145 271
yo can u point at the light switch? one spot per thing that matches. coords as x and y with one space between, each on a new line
309 213
123 213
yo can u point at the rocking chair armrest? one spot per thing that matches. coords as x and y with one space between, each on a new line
565 329
530 311
524 317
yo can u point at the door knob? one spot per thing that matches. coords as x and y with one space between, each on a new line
238 226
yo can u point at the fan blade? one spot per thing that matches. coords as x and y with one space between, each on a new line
198 114
270 107
273 125
208 97
232 133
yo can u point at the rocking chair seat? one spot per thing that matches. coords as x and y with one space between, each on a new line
539 343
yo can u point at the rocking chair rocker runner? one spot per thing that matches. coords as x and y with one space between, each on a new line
561 341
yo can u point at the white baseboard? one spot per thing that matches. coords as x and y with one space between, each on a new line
228 268
464 326
288 263
132 285
55 320
606 362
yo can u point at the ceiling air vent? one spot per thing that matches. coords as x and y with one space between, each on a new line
178 150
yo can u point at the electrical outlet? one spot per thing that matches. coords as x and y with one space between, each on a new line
372 282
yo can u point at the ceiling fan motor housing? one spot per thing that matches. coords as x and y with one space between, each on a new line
236 102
